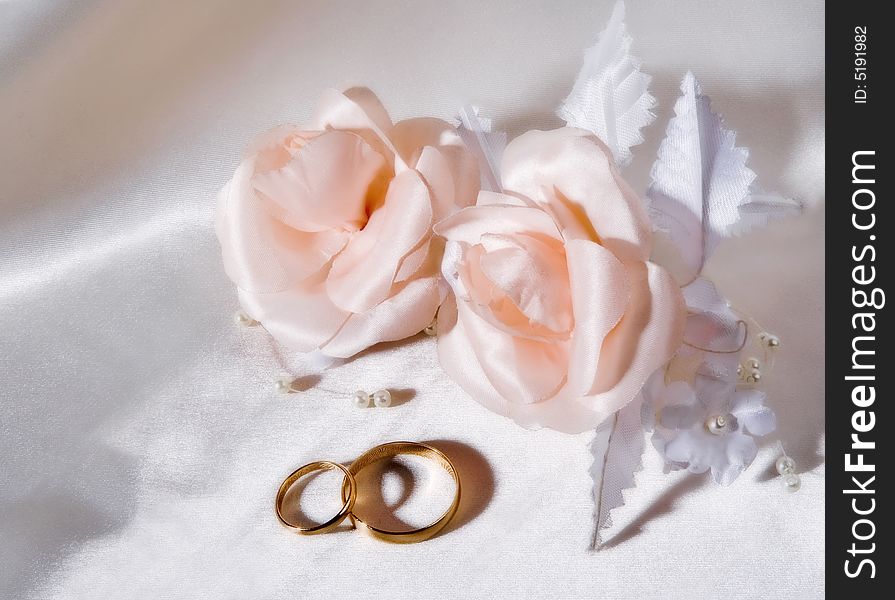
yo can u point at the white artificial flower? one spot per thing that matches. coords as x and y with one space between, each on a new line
711 427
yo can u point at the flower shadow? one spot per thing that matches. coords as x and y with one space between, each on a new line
663 505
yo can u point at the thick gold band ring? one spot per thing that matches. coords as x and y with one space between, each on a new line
349 495
389 450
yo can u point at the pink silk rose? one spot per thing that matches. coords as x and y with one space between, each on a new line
326 230
558 317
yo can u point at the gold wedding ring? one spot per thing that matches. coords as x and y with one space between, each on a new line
349 492
348 502
390 450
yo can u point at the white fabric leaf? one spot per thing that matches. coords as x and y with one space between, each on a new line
486 145
763 207
701 295
702 190
611 94
617 449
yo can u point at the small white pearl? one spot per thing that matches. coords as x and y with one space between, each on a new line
754 364
284 384
360 399
382 398
240 318
769 339
754 376
717 424
791 482
785 465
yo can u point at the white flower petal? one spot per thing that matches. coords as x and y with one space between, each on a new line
749 409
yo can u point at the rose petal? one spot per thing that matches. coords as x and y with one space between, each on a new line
521 370
406 312
260 252
532 274
434 168
490 303
459 361
371 105
486 198
435 171
325 185
600 294
574 163
302 318
359 111
458 358
470 224
645 339
363 273
276 147
412 135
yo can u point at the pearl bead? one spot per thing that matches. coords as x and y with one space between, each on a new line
361 399
739 370
754 376
792 482
769 339
382 398
717 424
431 328
284 384
240 318
754 364
785 465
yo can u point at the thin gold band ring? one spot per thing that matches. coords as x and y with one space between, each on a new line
348 500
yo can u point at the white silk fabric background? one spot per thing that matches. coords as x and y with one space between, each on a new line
141 441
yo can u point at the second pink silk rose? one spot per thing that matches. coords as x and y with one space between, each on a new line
326 229
558 317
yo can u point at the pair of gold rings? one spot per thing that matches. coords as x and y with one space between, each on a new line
349 492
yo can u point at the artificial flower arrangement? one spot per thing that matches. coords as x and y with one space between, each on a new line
530 260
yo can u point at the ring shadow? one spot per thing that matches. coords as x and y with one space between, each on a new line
476 480
372 503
